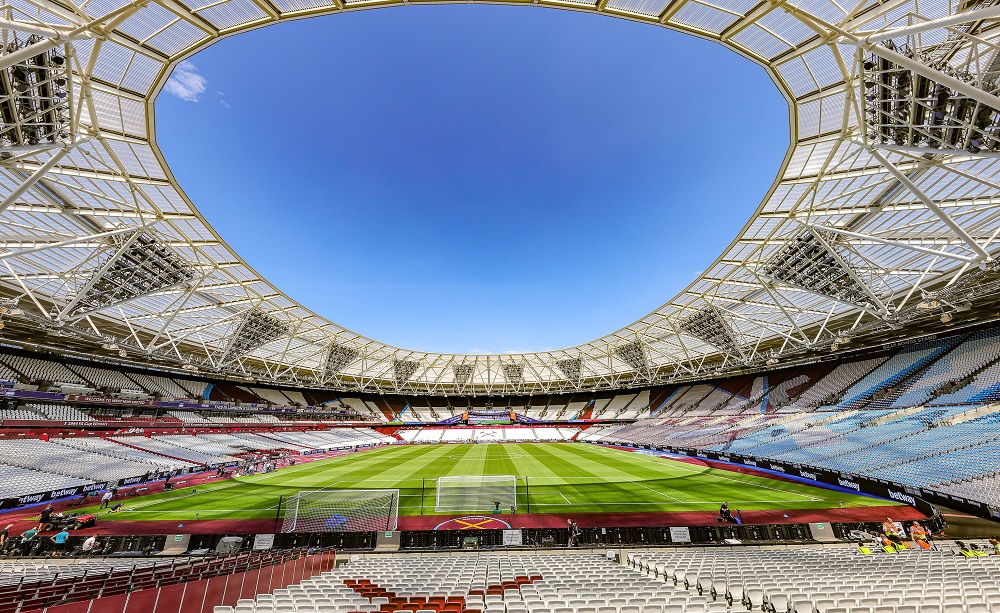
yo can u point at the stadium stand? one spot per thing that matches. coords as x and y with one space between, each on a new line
115 450
50 457
832 579
800 580
33 587
59 413
171 448
17 481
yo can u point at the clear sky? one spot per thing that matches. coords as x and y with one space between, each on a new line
474 178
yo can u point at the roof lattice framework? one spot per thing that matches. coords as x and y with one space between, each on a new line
893 165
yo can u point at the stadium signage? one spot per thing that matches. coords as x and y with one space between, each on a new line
66 491
93 487
104 400
901 497
724 458
778 468
134 480
849 484
30 498
808 475
750 462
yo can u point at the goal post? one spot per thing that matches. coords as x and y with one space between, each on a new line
341 511
464 493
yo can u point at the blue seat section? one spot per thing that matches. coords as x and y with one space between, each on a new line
895 369
975 352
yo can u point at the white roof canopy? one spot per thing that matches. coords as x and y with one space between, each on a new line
885 191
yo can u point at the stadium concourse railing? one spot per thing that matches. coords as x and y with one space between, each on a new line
191 585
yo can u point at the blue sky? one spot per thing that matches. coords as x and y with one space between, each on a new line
474 178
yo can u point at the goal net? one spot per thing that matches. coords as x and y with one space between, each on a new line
341 511
476 493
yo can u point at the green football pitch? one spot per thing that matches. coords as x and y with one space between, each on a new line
553 478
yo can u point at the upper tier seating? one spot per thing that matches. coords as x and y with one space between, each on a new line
171 449
978 350
895 369
168 388
44 370
985 387
104 378
834 383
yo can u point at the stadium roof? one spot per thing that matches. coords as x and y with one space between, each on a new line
883 216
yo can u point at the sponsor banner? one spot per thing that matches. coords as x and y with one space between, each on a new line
134 480
104 400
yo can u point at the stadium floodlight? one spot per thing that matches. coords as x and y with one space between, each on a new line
463 373
633 354
513 372
402 370
709 326
338 357
472 493
341 511
572 368
34 100
139 265
904 108
812 262
256 329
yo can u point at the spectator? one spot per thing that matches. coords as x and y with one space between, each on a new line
45 518
4 534
993 541
106 499
59 543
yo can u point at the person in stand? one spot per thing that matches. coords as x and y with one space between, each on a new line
891 531
994 542
919 535
90 545
574 533
59 543
106 499
4 534
28 540
45 518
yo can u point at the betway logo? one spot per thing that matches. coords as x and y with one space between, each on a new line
30 499
93 487
69 491
849 484
777 468
900 496
724 458
808 475
750 462
131 480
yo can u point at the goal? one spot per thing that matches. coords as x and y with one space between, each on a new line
476 493
341 511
